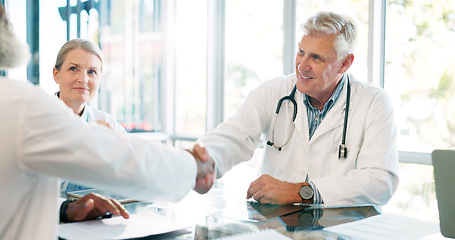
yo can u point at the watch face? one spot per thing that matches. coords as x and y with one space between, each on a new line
306 192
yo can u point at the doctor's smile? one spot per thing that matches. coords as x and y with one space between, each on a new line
304 77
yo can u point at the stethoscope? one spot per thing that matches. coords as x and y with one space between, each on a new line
342 149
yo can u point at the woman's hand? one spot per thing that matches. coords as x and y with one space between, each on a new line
93 206
102 122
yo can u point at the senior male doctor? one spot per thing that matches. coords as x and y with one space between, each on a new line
304 159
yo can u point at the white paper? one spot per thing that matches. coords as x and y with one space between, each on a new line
138 225
387 226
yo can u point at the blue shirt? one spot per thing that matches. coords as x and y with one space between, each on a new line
315 116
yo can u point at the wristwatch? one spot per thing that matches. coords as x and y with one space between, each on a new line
306 193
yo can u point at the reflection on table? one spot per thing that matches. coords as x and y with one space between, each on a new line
218 214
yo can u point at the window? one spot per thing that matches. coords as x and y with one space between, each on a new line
420 72
129 34
419 76
254 47
52 14
130 38
190 67
358 11
159 54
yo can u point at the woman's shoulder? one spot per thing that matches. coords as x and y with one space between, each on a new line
96 114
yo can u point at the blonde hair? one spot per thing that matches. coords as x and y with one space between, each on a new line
86 45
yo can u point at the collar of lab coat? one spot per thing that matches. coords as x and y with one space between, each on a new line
334 118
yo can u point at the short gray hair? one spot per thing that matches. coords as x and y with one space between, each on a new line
328 23
13 52
87 45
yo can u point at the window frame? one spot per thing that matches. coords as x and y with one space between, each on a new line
216 62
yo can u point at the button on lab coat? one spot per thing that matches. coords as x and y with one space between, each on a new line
369 174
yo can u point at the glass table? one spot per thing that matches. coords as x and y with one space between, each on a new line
221 213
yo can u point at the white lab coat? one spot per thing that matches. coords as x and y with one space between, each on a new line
92 114
42 140
369 175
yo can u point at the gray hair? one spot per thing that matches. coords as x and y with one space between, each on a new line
87 45
328 23
13 52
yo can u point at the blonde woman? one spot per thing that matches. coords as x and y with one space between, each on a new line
78 71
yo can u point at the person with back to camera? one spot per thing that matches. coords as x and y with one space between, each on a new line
42 141
327 137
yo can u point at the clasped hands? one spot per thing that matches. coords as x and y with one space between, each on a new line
92 206
205 169
205 165
265 189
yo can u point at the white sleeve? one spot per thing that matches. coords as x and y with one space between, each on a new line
55 142
235 140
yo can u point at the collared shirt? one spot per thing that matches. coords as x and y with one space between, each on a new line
315 116
84 113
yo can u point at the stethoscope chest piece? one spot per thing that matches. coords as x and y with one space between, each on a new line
342 151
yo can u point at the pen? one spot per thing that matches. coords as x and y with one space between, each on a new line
107 215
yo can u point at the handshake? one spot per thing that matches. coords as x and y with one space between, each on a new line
205 169
92 206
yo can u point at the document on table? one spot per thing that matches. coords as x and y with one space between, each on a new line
138 225
386 226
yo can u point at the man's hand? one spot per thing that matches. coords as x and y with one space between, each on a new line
267 189
93 206
205 169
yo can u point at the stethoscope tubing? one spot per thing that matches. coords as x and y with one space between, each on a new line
342 152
